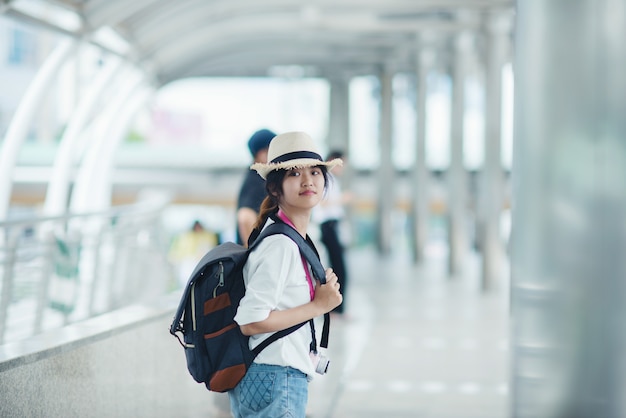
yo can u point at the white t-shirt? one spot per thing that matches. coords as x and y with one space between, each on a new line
275 280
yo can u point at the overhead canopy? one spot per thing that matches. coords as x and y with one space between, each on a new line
187 38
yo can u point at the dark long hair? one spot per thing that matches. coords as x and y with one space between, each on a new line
274 189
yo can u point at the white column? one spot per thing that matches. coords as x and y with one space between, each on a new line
492 175
457 176
339 136
339 126
420 174
568 255
386 193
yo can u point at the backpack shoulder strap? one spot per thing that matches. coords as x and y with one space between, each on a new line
309 253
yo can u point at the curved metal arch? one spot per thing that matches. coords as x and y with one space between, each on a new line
255 58
188 48
160 31
184 48
202 31
326 50
16 134
288 21
163 11
59 185
98 153
137 97
178 15
108 12
195 25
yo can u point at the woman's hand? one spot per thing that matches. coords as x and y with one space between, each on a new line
327 296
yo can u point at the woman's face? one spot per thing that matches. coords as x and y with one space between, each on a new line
303 188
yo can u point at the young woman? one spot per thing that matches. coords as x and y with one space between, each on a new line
280 290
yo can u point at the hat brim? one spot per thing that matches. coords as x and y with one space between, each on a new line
264 168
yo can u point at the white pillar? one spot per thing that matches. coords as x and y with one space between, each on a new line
568 254
457 176
492 180
339 112
386 193
339 136
420 175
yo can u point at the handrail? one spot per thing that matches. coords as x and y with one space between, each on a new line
56 270
114 211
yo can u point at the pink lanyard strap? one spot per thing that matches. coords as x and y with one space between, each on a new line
285 219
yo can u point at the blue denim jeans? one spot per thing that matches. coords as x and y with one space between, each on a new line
269 391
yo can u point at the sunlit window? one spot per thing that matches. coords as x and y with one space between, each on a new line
438 121
220 114
404 121
364 122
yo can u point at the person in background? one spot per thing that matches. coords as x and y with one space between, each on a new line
329 215
280 289
252 190
189 247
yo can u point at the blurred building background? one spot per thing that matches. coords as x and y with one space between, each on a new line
488 132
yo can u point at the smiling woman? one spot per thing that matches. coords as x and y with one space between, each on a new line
280 292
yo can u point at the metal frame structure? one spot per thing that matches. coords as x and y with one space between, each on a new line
224 37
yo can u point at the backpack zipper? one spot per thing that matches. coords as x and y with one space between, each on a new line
193 299
221 282
193 306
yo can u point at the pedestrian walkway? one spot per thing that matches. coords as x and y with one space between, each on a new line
417 343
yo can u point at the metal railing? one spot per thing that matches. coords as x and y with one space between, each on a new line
62 269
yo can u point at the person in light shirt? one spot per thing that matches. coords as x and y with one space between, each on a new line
329 214
280 290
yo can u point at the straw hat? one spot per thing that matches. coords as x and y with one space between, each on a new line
292 150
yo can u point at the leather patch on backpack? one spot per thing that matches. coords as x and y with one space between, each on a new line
220 302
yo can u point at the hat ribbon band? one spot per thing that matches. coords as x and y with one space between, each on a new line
297 155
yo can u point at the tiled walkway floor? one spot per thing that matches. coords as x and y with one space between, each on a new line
416 343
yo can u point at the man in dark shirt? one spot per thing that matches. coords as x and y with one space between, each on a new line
252 191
